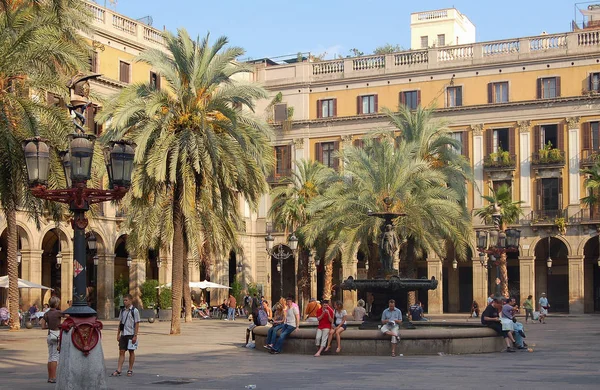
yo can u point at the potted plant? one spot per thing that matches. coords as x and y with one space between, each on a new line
149 298
165 299
555 156
121 288
561 224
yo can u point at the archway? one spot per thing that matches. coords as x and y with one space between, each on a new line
554 280
457 283
514 275
53 243
591 275
21 244
152 265
121 272
92 276
232 267
285 271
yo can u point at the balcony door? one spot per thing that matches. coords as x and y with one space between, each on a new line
549 195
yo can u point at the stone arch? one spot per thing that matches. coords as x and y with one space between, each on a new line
553 280
584 242
65 241
558 237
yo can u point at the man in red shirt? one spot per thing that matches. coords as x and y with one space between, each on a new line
325 318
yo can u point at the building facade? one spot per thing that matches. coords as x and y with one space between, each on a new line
526 111
443 27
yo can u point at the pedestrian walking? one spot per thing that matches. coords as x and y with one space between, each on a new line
231 302
528 306
51 321
127 334
544 306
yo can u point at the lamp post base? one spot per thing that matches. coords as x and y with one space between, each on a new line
76 368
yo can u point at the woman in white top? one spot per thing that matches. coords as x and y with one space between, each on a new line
339 326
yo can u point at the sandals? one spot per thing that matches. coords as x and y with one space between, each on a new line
51 380
393 354
129 373
116 373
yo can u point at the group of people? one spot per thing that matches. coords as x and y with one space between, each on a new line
500 315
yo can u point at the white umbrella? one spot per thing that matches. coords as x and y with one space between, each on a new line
22 283
202 285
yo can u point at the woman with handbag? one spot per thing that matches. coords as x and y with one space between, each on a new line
51 321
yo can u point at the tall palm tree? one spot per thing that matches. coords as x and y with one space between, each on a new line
371 174
510 212
293 195
39 49
195 146
592 185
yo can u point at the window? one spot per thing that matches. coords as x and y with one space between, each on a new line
550 194
424 42
548 88
124 69
283 157
441 39
327 108
501 139
94 62
90 120
367 104
498 92
280 112
454 96
549 134
499 183
325 153
458 137
463 138
590 134
154 80
594 82
411 99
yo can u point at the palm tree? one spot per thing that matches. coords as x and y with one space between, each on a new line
510 212
378 171
291 199
592 184
196 147
39 49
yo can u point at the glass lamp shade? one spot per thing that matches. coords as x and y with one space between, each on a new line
118 157
598 261
278 266
501 240
293 242
92 242
129 261
318 262
158 262
493 239
81 150
482 259
482 239
65 158
454 264
37 161
95 260
59 258
240 267
269 242
549 262
513 236
19 257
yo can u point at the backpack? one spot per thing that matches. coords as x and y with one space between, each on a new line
121 323
262 318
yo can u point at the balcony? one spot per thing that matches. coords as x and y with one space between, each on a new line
586 217
500 162
589 157
278 175
548 158
544 217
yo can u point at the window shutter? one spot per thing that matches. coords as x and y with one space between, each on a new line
359 105
336 161
507 92
319 109
586 133
458 96
512 136
489 141
358 143
490 92
94 61
560 193
89 119
335 107
158 81
537 142
540 189
402 99
561 137
557 86
319 152
418 97
288 159
465 143
376 103
590 82
539 88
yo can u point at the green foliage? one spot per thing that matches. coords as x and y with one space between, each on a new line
388 48
550 154
592 184
356 53
502 197
252 289
149 293
121 288
561 224
165 298
237 290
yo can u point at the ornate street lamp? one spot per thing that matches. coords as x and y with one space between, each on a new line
128 260
158 262
19 257
240 267
37 158
454 264
280 253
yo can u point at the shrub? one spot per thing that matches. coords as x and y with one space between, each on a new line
121 288
149 293
165 298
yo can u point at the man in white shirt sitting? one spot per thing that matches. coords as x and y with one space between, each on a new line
391 320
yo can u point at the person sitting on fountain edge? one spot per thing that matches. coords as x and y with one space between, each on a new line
391 319
491 318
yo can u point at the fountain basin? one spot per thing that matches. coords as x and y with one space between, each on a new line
429 339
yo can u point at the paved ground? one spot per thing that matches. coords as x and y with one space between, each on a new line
208 355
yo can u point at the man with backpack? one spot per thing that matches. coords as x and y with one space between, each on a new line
127 334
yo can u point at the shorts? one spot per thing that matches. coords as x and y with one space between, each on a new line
52 340
124 341
498 328
343 326
394 329
322 335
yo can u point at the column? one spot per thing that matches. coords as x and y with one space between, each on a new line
573 159
576 285
588 288
66 280
524 163
313 282
478 148
165 271
31 269
453 290
435 297
106 286
298 151
527 277
480 283
137 276
349 297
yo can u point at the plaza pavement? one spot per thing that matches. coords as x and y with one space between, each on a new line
209 355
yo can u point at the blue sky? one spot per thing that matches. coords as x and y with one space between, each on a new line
268 28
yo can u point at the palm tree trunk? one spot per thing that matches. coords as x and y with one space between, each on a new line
13 268
178 256
503 275
411 268
328 280
187 295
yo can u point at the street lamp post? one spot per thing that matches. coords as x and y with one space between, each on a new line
77 165
280 254
495 243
